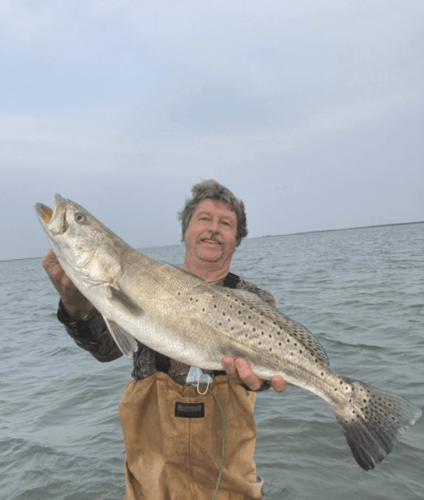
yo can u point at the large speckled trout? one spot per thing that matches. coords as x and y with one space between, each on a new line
176 313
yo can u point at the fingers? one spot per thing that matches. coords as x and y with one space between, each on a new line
56 273
246 374
73 300
238 368
278 383
50 260
229 365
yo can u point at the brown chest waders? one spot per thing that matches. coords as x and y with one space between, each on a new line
173 440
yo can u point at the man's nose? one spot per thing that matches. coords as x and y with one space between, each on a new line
214 225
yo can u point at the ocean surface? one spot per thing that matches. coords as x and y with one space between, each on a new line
360 292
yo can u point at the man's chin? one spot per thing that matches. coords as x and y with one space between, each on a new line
210 256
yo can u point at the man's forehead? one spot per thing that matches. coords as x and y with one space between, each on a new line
209 205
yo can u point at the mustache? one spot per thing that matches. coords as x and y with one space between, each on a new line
212 237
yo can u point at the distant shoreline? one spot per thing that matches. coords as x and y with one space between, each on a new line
342 229
278 235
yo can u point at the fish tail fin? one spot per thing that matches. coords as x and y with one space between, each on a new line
372 421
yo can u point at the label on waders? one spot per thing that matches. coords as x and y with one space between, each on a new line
189 410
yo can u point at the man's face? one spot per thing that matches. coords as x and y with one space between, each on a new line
211 234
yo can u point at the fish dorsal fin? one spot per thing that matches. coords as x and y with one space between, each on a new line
123 339
299 332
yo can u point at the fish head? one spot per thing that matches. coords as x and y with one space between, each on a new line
82 244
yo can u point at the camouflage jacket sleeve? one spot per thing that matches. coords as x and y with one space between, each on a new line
91 334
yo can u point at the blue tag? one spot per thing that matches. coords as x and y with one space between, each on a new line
195 376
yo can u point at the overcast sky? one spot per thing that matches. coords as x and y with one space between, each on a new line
311 111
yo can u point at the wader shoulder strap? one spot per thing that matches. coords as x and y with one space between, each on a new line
231 280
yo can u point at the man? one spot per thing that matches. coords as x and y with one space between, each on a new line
172 434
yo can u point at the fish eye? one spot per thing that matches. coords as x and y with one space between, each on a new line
79 217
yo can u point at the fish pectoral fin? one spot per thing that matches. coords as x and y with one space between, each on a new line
123 339
123 301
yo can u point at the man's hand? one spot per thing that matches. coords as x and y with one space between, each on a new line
239 368
73 300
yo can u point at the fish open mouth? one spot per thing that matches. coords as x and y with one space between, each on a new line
46 214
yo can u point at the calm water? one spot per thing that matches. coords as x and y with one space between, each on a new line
361 292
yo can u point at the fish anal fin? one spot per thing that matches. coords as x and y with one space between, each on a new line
122 338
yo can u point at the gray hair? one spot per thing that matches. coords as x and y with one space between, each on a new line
214 191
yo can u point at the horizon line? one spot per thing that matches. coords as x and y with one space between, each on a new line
271 235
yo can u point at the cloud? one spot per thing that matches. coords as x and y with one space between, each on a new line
31 143
140 99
